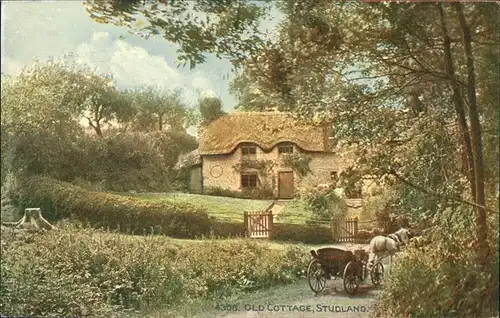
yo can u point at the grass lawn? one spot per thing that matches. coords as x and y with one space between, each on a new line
229 209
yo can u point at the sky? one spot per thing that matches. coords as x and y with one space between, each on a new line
50 29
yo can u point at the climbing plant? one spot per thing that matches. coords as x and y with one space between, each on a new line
298 162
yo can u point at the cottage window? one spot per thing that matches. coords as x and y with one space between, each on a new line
248 150
285 148
249 181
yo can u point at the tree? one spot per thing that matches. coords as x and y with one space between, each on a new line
210 108
158 110
388 79
41 109
104 103
249 95
226 28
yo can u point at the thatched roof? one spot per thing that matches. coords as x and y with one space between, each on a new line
265 129
188 160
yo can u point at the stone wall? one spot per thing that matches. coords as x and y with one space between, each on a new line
218 171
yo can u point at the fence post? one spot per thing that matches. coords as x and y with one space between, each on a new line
355 228
334 229
270 225
245 221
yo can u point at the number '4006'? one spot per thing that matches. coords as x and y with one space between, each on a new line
226 307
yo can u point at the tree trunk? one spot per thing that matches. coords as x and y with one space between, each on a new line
458 102
160 122
475 133
32 219
98 129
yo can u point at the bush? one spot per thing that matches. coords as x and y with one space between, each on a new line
63 200
261 193
307 234
9 211
227 229
94 273
264 192
324 203
442 278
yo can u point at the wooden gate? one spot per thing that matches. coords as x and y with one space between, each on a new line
259 224
345 229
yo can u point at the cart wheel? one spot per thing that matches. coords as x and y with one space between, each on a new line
316 276
377 273
351 283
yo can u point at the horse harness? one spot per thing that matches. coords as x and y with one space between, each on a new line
396 238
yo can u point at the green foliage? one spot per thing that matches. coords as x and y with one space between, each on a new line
298 162
227 29
63 200
324 203
263 192
307 234
9 211
225 229
94 273
442 279
262 166
221 192
283 232
154 109
42 134
40 113
210 108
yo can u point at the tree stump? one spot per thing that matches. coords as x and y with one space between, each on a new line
32 219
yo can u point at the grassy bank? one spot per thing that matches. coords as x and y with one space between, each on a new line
226 208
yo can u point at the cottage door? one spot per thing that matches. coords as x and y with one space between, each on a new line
285 185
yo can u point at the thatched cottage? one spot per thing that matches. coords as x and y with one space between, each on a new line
261 150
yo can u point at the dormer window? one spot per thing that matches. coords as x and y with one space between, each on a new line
285 148
248 150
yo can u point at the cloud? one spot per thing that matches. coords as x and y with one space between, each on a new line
41 30
11 66
131 66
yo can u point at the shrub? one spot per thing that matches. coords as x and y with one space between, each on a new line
63 200
218 269
227 229
75 271
9 211
307 234
221 192
324 203
442 278
264 192
260 193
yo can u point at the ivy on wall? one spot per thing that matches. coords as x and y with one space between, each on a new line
298 162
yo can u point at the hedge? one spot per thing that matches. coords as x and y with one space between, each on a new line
63 200
306 234
227 229
60 200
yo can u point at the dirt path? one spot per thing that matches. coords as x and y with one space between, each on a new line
298 300
294 301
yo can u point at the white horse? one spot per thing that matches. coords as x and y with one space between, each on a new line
382 246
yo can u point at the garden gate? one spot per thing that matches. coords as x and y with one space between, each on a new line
259 224
344 229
